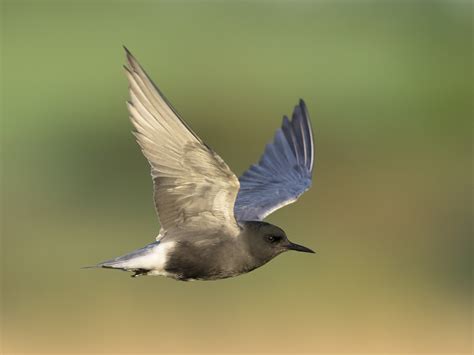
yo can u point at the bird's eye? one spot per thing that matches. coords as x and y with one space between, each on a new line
273 238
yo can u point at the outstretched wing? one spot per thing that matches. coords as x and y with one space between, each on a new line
283 172
193 186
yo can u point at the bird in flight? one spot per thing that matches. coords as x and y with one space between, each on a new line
211 222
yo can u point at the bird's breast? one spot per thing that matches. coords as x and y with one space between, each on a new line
207 259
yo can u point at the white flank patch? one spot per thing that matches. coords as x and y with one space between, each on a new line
154 260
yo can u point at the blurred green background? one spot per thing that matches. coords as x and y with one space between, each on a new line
389 88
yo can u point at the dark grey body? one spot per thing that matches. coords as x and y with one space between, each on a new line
217 257
209 257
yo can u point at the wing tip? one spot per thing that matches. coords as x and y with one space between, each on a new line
301 111
130 59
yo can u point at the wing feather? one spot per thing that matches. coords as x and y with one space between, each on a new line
283 172
192 184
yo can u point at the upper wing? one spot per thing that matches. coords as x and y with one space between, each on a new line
283 172
192 184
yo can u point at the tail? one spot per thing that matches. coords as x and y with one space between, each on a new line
138 261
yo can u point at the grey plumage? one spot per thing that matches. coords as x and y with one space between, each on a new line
209 228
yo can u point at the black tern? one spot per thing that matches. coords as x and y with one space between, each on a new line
211 222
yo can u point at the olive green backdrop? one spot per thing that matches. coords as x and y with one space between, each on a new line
388 87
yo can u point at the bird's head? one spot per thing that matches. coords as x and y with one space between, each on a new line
266 240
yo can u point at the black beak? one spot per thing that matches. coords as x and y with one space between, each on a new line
297 247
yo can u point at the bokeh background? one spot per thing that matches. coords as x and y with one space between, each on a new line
389 88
